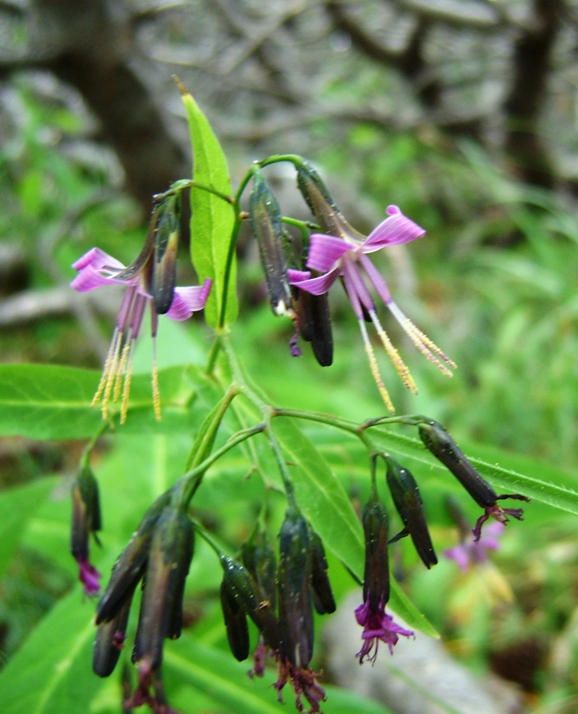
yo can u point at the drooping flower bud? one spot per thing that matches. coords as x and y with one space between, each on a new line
244 590
258 557
314 321
130 565
322 204
408 503
323 599
444 448
376 578
167 227
86 520
265 217
294 583
161 612
110 639
235 621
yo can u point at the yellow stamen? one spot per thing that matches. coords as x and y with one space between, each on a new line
121 370
400 366
155 385
112 374
128 358
106 369
375 369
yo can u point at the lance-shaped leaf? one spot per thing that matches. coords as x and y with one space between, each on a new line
212 219
407 500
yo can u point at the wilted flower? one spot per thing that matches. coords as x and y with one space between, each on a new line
86 520
149 279
443 447
340 251
377 625
473 552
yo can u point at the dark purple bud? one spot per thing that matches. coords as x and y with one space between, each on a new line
322 204
265 217
235 622
258 557
109 641
323 599
242 587
408 503
170 555
130 565
294 587
86 517
444 448
376 578
314 320
167 221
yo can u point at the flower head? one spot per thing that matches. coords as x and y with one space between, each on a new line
343 254
148 280
378 627
472 552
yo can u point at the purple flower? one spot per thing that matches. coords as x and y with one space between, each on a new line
346 257
88 576
96 269
304 683
377 626
472 552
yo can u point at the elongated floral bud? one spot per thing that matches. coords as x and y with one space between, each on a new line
167 218
408 503
265 217
110 639
130 565
323 599
322 204
444 448
258 557
86 516
235 622
170 555
294 583
315 324
242 587
376 578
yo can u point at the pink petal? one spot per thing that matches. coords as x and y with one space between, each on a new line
98 259
89 279
296 275
317 286
188 300
396 228
324 251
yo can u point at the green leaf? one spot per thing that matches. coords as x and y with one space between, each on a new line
212 219
53 402
17 506
506 479
51 674
324 501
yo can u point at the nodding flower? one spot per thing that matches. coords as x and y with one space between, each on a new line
149 279
86 520
339 251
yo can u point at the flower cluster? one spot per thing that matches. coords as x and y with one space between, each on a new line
339 251
280 599
159 555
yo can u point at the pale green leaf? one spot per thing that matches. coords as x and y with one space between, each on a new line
212 219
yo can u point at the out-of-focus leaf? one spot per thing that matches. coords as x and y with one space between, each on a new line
53 402
212 218
51 674
17 506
